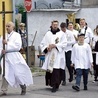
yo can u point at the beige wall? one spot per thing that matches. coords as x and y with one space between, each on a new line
8 17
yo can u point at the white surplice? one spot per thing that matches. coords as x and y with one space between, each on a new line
70 40
16 69
88 34
56 57
82 56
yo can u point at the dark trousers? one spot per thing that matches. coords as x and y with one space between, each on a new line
63 75
79 73
53 79
68 64
95 67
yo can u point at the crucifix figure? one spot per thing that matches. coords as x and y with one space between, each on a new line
3 12
71 17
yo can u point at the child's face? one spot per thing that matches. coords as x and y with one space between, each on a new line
63 29
70 26
81 39
82 23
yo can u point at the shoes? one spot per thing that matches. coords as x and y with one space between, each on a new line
53 90
85 88
3 94
63 83
23 89
76 88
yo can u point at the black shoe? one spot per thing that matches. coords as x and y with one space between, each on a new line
23 89
57 87
85 88
76 88
63 83
53 90
3 94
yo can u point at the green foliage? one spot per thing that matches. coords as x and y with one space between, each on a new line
24 17
20 8
16 25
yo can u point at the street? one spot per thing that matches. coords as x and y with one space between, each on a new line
39 90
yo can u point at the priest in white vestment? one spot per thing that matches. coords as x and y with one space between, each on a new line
17 72
82 61
53 45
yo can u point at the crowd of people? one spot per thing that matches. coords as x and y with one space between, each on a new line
71 47
67 46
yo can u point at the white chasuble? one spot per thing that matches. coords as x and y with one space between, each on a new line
56 57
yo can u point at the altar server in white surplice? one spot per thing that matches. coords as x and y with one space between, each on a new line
82 60
17 72
53 45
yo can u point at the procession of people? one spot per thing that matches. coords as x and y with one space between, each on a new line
79 51
63 47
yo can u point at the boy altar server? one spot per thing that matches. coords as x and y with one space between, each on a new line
82 60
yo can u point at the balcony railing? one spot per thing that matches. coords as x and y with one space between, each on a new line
60 4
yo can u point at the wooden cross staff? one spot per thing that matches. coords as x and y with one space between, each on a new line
3 12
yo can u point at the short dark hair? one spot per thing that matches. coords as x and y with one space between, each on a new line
81 34
63 25
54 21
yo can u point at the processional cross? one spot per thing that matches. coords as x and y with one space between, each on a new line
3 12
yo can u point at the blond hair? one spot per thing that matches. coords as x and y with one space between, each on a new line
82 19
